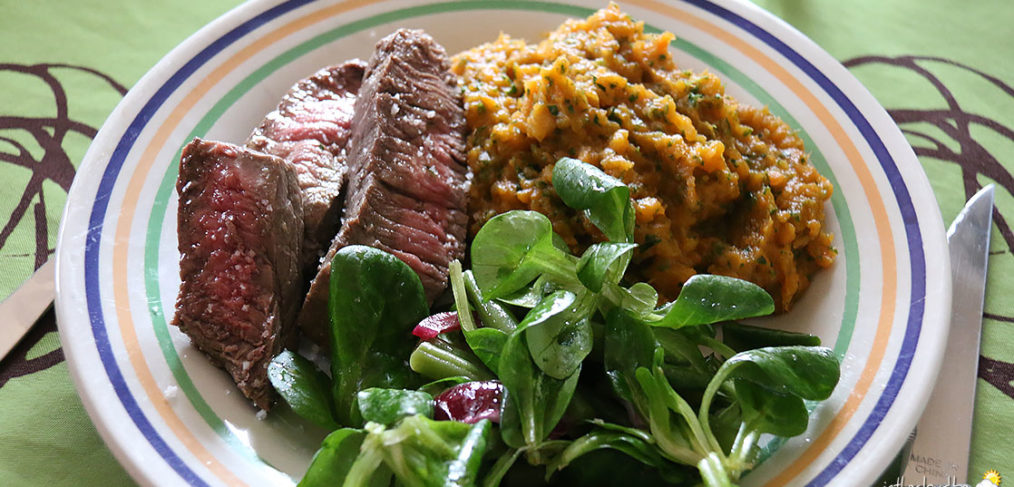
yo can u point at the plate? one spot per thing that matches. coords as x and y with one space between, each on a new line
172 418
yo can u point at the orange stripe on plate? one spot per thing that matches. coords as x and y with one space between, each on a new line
880 219
144 375
127 214
158 141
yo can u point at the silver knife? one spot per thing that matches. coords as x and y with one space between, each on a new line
940 452
22 309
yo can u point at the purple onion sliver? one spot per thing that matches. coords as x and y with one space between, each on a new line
433 325
470 402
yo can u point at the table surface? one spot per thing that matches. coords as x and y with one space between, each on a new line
945 73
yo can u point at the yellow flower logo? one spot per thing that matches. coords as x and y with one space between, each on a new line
992 476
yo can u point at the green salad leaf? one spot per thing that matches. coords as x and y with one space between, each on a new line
635 446
742 337
707 298
487 344
807 372
387 406
422 452
603 262
304 387
558 334
605 199
538 398
629 344
512 249
631 442
770 386
771 412
334 459
416 450
376 300
599 384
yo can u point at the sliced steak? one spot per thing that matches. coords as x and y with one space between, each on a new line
240 226
408 181
310 130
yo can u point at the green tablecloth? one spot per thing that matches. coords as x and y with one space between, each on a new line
944 70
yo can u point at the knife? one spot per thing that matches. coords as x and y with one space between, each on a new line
22 309
939 454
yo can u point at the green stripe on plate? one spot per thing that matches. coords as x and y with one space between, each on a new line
158 212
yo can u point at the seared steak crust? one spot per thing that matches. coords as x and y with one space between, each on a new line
408 181
310 130
240 227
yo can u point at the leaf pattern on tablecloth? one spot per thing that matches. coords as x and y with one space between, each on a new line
964 130
17 363
49 133
40 145
997 373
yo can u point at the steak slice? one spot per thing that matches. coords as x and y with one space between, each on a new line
408 181
309 130
240 226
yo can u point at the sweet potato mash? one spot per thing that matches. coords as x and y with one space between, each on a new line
718 187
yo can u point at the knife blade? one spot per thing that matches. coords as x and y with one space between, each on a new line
940 452
23 308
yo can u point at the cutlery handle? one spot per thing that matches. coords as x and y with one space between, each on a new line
22 309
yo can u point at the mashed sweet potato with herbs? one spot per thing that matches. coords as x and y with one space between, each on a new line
718 187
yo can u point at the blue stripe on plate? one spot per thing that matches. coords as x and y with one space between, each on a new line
95 227
917 258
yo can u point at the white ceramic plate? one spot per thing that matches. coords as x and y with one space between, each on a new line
172 418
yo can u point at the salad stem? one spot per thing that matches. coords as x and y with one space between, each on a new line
491 313
713 472
460 299
705 408
439 362
500 468
718 347
366 463
560 267
743 449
